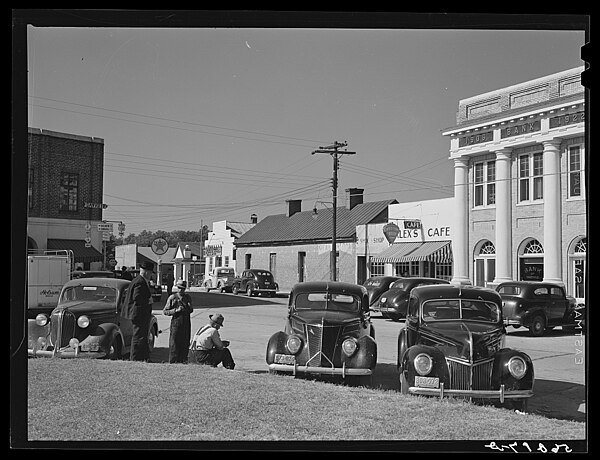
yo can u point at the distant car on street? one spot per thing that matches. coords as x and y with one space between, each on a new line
255 281
86 323
328 331
393 303
377 285
220 278
453 345
539 306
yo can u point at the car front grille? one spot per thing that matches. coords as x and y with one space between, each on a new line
322 341
63 328
466 376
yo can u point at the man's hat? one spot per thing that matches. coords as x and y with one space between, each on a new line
147 266
217 318
181 284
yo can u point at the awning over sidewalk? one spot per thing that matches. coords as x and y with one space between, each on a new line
432 251
80 251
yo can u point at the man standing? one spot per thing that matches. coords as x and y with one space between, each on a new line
138 308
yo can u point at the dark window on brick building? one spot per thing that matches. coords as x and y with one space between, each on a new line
30 189
69 192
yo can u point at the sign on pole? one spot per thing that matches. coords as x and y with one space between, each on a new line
159 246
105 227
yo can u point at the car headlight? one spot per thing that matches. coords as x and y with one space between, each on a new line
517 367
349 347
41 319
293 344
423 363
83 321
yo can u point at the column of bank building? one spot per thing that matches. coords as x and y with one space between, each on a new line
519 179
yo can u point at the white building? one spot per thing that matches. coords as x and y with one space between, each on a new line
519 176
219 247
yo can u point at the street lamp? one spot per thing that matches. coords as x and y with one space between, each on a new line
333 253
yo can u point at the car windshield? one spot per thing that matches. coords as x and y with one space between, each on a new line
264 275
401 284
460 310
327 301
225 272
94 293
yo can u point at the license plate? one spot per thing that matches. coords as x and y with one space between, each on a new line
285 359
427 382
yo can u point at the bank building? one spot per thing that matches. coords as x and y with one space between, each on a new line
520 189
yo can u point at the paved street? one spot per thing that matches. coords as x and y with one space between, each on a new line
249 323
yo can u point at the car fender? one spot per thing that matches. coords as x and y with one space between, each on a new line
402 347
366 355
501 375
439 369
276 345
104 334
527 318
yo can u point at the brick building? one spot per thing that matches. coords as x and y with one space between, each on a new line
65 190
520 192
296 246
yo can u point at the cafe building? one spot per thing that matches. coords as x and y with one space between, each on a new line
519 158
416 240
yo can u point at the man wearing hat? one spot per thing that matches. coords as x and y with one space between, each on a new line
179 307
207 346
138 308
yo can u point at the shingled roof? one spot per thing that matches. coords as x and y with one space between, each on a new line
303 227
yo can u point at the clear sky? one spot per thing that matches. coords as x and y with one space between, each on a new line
209 124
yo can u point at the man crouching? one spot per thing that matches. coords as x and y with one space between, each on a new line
207 346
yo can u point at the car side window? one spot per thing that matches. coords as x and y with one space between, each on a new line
413 306
556 292
540 291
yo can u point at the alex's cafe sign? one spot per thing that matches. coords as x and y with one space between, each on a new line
415 222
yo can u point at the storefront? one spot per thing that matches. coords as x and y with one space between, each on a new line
519 176
416 241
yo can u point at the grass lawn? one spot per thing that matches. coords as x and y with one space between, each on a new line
97 400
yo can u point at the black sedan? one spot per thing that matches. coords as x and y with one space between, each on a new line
394 302
327 332
377 285
86 323
453 345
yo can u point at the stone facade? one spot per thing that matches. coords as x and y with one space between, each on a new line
519 157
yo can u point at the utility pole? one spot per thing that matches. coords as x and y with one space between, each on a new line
333 150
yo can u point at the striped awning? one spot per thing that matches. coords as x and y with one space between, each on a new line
432 251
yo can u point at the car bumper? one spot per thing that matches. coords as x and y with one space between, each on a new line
513 322
500 394
65 353
263 290
343 371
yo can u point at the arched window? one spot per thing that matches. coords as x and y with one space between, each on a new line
485 263
531 261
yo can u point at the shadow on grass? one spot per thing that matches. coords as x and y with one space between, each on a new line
560 400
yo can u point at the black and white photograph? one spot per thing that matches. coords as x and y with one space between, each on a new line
260 230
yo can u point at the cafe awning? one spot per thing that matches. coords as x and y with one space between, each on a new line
432 251
80 251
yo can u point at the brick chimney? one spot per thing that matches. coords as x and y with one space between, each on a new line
294 206
355 196
254 218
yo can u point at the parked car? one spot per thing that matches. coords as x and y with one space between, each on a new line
254 282
453 345
220 278
87 322
377 285
328 331
393 303
539 306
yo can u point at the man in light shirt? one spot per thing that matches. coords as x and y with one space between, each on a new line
207 346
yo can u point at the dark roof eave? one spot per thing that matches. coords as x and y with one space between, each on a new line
346 239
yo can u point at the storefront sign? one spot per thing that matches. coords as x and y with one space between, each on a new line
409 224
87 204
213 251
476 138
567 119
523 128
